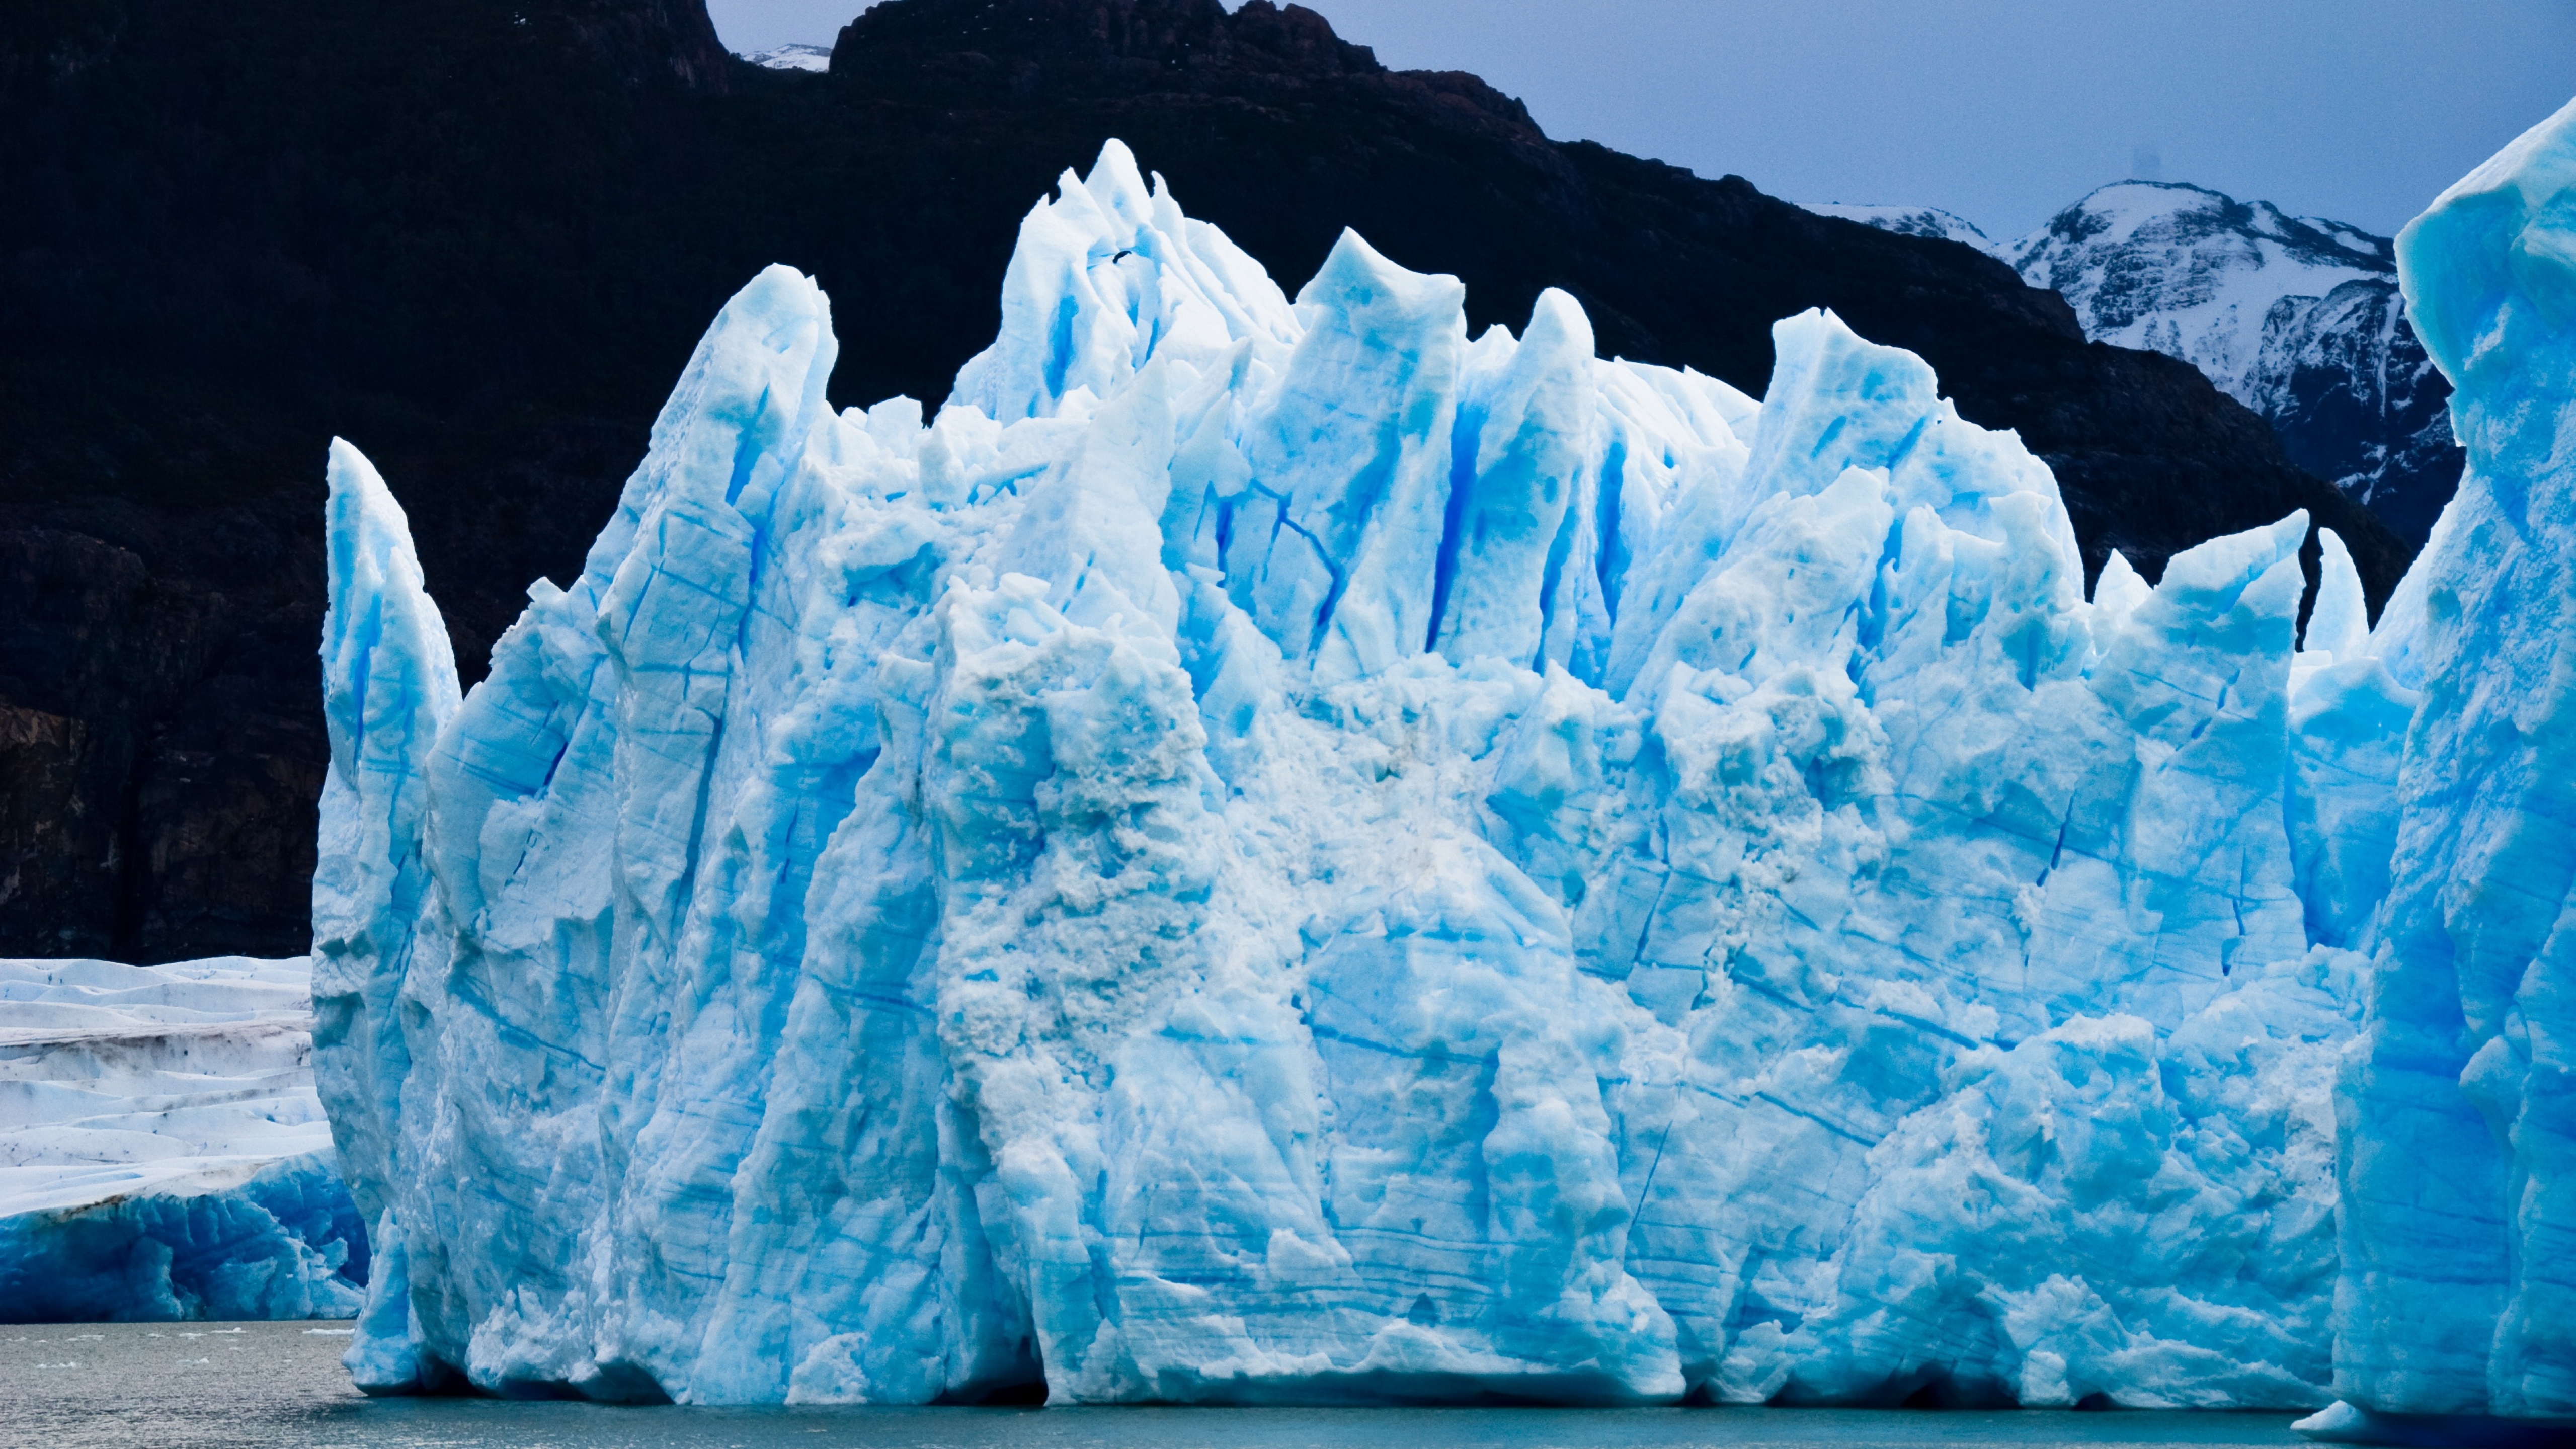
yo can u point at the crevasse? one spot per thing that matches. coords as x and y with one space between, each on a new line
1275 851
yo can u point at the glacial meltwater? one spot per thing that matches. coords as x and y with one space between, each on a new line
186 1385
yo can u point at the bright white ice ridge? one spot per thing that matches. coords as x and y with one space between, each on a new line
1274 851
162 1153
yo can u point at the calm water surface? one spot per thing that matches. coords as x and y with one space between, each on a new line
149 1385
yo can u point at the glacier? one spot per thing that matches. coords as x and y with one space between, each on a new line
1271 850
163 1154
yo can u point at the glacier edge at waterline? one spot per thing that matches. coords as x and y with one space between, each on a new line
1275 851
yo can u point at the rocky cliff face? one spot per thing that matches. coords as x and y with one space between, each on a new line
151 789
478 237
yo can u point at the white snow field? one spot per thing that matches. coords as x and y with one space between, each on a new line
1275 851
162 1152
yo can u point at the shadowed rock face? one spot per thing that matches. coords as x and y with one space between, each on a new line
478 238
142 746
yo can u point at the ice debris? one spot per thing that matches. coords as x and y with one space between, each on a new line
1275 851
162 1153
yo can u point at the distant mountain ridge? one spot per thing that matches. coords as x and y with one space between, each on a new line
2298 318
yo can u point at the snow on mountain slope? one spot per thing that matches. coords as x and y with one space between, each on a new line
162 1153
1275 851
2297 318
793 57
2191 273
1929 221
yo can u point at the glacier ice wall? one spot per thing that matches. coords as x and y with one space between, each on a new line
1274 850
2458 1102
162 1154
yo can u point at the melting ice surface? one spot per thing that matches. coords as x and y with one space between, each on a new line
1275 851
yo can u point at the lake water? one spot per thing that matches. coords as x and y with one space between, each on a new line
149 1385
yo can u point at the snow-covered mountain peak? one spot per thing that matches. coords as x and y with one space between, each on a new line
2174 213
1929 221
793 57
2298 318
2192 272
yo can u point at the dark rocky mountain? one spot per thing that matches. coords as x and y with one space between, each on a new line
478 237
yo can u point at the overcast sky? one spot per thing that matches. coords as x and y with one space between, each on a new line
1999 110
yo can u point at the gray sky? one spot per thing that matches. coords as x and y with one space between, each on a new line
1999 110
